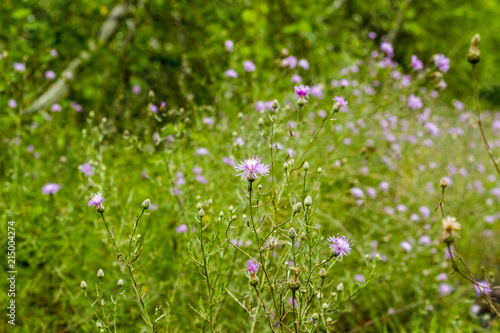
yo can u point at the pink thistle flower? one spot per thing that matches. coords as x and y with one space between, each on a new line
182 228
387 48
50 75
296 78
19 67
96 200
231 73
136 90
249 66
484 286
304 64
442 63
252 167
302 91
86 169
340 245
252 267
50 188
229 44
416 63
56 108
340 100
12 103
414 102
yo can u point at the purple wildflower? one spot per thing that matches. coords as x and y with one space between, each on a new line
53 53
414 102
445 289
357 192
442 63
56 108
229 45
340 245
50 75
250 168
228 161
208 121
249 66
75 106
296 78
483 287
416 63
12 103
252 267
304 64
317 91
153 108
201 179
86 169
359 278
406 246
136 90
340 100
290 62
202 151
50 188
19 67
96 200
182 228
372 35
387 48
302 91
231 73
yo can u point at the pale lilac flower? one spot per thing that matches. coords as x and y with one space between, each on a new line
475 309
136 90
86 169
197 170
163 104
442 63
359 278
290 62
371 192
156 137
228 161
208 121
182 229
414 102
30 148
302 91
424 240
293 302
416 64
201 179
372 35
414 217
425 211
387 48
432 129
53 53
458 105
304 64
56 108
296 78
406 81
445 289
229 45
317 91
50 188
76 107
252 267
239 142
344 83
12 104
340 100
19 67
406 246
384 186
249 66
153 108
357 192
96 200
50 75
252 167
442 277
202 151
231 73
340 245
401 208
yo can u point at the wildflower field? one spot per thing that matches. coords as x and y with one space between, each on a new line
250 166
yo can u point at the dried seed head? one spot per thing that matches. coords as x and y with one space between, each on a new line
450 225
322 273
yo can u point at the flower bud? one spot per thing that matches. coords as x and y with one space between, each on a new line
297 207
100 208
83 285
322 273
320 171
201 213
292 233
315 316
254 280
100 274
285 166
443 183
474 55
306 166
221 214
294 282
260 121
340 287
336 107
199 206
234 217
259 187
303 236
325 306
276 104
146 203
119 283
308 201
301 102
329 321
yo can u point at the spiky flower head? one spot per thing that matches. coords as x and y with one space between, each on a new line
96 200
252 167
340 245
302 91
450 224
252 267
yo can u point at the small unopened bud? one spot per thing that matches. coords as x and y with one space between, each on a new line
260 121
240 115
234 217
303 236
315 316
297 207
285 166
443 183
100 274
100 208
276 104
325 306
437 75
119 283
308 201
294 282
151 94
306 166
221 214
340 287
146 203
259 187
199 206
474 55
292 233
322 273
320 171
329 321
336 107
254 280
201 213
83 285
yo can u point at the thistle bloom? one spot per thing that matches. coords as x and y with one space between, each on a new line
136 90
252 267
19 67
302 91
50 75
387 48
231 73
56 108
229 45
249 66
96 200
86 169
182 228
304 64
482 287
416 63
340 245
414 102
50 188
12 103
252 167
340 100
442 63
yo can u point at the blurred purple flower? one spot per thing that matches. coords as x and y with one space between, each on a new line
182 228
414 102
86 169
50 188
231 73
442 63
202 151
19 67
249 66
50 75
12 104
416 64
229 45
304 64
136 90
387 48
296 78
56 108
